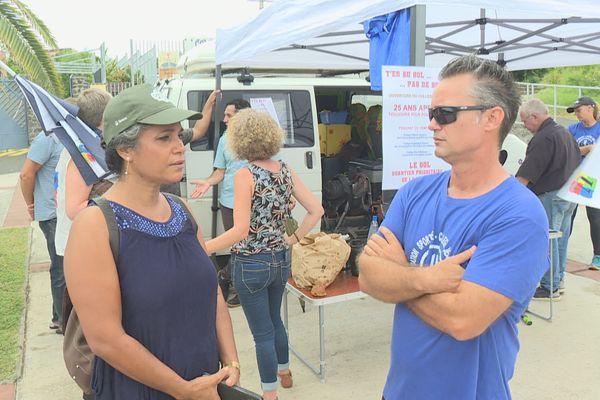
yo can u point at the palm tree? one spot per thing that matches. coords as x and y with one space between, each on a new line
24 36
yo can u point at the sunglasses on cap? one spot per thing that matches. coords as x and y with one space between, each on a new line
447 114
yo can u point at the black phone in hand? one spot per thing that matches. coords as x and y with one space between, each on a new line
235 393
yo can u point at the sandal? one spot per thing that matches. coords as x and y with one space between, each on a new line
286 379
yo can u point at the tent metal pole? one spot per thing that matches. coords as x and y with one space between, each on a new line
215 141
417 35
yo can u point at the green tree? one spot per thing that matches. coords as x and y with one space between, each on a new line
114 73
25 37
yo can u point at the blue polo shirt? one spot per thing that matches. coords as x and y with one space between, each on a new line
224 159
45 151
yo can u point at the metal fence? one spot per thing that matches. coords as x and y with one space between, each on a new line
13 116
557 97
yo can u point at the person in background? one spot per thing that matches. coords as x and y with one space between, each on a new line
551 157
192 134
156 320
225 167
460 252
71 191
260 252
586 132
37 186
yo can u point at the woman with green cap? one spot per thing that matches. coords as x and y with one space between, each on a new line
154 319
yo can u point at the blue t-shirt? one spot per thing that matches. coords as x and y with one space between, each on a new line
44 150
224 159
510 229
585 135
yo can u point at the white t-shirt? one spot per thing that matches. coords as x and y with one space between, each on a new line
63 222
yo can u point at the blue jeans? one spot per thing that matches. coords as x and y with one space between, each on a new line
57 275
260 280
559 214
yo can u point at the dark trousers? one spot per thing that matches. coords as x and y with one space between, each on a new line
593 216
57 275
225 274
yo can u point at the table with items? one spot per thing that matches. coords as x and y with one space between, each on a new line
344 288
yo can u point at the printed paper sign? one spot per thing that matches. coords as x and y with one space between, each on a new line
408 148
265 104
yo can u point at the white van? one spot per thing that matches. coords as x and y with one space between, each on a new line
299 100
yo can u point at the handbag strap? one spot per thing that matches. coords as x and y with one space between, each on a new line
111 223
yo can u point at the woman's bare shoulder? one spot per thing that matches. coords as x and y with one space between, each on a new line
90 219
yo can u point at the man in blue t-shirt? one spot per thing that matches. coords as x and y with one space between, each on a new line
586 133
459 252
37 186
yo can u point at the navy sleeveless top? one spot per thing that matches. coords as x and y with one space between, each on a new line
168 295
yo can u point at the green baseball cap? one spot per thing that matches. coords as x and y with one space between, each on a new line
141 104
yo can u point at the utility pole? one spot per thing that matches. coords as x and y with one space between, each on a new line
103 63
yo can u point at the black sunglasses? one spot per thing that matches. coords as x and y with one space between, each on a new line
447 114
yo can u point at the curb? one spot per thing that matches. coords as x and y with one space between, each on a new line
23 331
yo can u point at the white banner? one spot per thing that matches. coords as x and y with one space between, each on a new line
582 187
265 104
408 148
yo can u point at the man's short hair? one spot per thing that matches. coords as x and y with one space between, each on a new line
534 106
494 86
91 103
239 104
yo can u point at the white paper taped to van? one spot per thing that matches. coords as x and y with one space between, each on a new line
265 104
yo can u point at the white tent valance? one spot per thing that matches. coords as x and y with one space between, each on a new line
328 34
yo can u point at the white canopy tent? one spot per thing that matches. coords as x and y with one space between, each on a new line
328 34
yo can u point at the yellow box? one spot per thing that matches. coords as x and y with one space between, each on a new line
333 137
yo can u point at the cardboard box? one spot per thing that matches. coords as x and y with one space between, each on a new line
333 137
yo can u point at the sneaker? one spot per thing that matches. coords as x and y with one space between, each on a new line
595 265
561 287
543 294
54 325
233 301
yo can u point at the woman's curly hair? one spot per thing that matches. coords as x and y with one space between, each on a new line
254 135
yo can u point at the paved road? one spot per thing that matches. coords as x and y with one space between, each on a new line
12 160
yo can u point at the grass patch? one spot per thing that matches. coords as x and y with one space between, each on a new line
13 254
564 96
